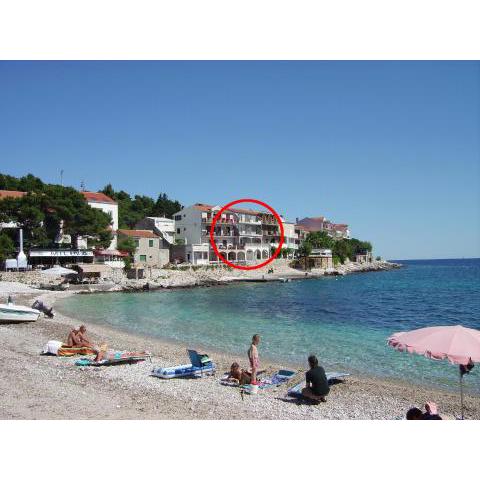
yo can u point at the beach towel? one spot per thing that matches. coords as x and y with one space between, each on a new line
117 358
277 379
54 347
296 391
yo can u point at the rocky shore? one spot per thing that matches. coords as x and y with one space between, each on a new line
33 386
191 276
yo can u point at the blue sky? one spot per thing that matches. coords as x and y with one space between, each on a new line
392 148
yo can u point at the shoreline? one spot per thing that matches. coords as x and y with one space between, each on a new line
48 387
189 277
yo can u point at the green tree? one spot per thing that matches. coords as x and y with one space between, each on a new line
304 252
127 244
130 211
320 240
343 249
7 247
40 213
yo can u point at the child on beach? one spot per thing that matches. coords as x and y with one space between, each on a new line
253 358
238 375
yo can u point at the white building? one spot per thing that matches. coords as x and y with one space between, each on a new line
162 226
107 205
242 236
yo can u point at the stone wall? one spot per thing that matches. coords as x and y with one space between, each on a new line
34 278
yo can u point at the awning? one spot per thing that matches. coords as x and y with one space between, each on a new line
61 253
94 268
110 253
58 270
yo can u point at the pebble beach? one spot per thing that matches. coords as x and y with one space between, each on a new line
35 386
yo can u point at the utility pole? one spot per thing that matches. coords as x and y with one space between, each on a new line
61 178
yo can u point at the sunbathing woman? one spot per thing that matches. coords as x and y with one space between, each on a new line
105 354
239 375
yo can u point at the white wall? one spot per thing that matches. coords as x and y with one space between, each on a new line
189 228
112 210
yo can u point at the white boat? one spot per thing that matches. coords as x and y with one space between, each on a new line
9 312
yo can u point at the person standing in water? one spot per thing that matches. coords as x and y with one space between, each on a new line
253 358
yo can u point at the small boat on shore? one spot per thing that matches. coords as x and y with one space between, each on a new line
11 313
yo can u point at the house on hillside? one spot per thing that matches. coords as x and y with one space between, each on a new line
109 206
363 257
163 227
149 251
321 224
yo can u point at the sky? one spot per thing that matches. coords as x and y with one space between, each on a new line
391 148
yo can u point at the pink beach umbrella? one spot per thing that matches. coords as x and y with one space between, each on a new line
460 345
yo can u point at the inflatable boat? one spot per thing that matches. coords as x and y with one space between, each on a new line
201 365
183 371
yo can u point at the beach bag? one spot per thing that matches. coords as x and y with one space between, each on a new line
204 359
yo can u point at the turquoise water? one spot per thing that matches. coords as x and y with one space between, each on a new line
345 321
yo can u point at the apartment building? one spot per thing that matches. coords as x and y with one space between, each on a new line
321 224
242 236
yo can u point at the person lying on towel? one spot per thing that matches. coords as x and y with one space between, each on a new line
317 384
238 375
107 354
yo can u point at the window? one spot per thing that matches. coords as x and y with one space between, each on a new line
150 243
143 258
178 217
178 230
137 242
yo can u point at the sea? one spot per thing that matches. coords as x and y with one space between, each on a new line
345 321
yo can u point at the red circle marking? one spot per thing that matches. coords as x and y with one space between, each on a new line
241 267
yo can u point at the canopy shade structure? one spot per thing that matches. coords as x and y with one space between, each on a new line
58 270
459 345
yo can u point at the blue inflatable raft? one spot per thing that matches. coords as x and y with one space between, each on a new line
201 365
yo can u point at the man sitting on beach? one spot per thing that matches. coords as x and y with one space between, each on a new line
73 340
317 384
253 358
82 335
78 338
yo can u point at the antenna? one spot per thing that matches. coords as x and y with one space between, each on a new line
82 186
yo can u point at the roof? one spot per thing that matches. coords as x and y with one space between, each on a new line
97 197
312 224
111 253
93 268
302 227
138 233
207 208
11 194
203 207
